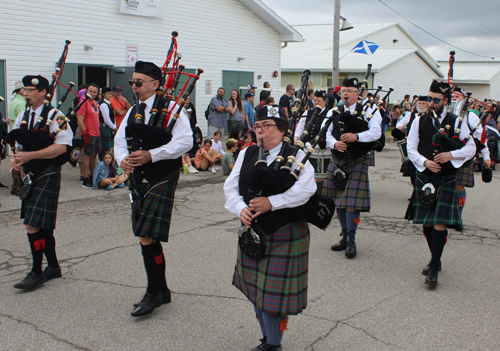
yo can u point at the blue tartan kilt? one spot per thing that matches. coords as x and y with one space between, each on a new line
40 209
445 211
277 283
465 176
372 158
107 139
156 212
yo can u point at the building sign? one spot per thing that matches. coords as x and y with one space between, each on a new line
149 8
132 54
208 87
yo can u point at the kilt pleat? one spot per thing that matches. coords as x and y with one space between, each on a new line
465 176
40 210
445 211
156 213
372 159
356 195
107 140
277 283
408 170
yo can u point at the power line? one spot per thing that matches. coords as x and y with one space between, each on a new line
457 5
432 35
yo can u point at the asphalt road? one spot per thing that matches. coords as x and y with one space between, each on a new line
377 301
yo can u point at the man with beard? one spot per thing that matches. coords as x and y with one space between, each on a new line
217 118
465 175
434 202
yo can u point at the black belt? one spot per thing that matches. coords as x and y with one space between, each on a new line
50 169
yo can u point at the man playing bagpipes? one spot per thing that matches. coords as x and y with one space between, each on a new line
274 292
465 174
155 174
351 137
438 145
39 207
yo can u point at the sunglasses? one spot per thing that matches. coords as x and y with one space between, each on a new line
435 100
138 83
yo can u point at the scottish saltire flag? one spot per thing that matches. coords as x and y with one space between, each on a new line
365 47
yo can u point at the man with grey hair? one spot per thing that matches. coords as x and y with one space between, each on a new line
217 119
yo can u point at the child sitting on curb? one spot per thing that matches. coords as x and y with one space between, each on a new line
206 157
228 159
106 174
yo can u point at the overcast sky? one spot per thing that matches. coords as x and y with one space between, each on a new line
470 25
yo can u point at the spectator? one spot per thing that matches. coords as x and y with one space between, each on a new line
228 159
394 115
107 175
405 104
188 160
217 120
251 88
206 157
88 121
190 111
287 100
249 140
329 95
241 145
235 134
249 114
236 113
269 101
3 135
310 95
414 101
120 104
217 144
265 92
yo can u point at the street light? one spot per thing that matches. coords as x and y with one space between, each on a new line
336 39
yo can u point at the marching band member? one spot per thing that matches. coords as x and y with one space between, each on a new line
353 196
434 202
39 209
152 225
275 292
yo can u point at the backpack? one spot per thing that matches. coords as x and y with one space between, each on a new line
207 111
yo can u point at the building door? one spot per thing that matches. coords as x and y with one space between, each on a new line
234 80
120 76
70 74
3 90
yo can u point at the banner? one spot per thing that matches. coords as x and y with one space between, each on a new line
148 8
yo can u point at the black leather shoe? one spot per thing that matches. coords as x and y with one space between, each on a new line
350 250
147 305
460 229
268 347
427 268
166 298
432 277
341 245
52 273
263 342
31 281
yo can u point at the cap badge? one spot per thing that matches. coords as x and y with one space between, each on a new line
273 112
355 81
443 90
35 81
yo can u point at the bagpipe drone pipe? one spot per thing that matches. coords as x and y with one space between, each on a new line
268 181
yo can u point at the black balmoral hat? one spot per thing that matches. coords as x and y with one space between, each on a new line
149 69
350 83
38 82
320 93
422 98
274 111
440 88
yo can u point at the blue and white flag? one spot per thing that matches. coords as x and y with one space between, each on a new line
365 47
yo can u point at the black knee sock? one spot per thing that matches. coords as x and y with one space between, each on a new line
50 248
37 244
163 278
437 246
428 235
153 257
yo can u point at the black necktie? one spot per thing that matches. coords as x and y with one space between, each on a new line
265 154
32 119
142 107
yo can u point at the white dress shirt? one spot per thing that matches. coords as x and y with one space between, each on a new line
296 196
182 136
459 157
64 137
105 114
473 120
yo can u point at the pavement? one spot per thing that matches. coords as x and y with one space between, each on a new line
376 301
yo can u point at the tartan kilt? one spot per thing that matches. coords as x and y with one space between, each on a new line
465 176
156 212
277 283
408 169
40 210
445 210
107 140
356 195
372 158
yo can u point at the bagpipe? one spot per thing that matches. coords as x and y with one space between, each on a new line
158 131
40 137
301 102
364 83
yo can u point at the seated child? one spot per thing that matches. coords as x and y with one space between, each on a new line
228 159
217 144
206 157
106 174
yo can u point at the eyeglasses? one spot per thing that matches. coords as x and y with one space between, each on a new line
434 100
28 90
264 127
138 83
349 91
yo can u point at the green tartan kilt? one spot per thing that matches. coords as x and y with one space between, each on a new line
156 212
408 169
465 175
107 140
445 210
356 195
277 283
40 210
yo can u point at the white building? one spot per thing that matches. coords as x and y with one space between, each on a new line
236 42
399 62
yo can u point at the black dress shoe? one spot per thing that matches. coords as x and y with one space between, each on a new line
341 245
166 298
268 347
263 342
147 305
460 229
427 268
350 251
432 277
31 281
52 273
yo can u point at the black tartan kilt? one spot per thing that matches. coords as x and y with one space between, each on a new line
408 170
157 205
465 176
107 139
40 210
